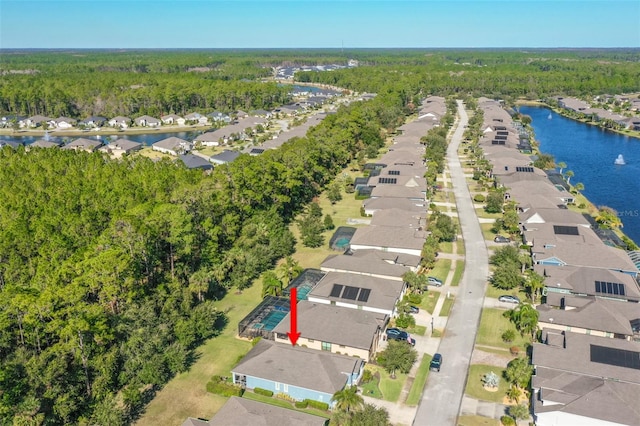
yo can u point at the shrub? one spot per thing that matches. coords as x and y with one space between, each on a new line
367 376
218 387
285 397
507 421
414 298
514 350
508 336
582 205
317 404
302 404
479 198
264 392
255 340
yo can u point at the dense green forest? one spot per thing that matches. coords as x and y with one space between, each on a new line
109 269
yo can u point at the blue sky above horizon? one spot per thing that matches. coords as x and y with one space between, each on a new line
318 24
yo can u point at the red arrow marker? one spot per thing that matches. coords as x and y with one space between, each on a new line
294 334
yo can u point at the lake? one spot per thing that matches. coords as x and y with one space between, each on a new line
590 153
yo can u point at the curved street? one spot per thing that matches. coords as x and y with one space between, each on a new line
442 397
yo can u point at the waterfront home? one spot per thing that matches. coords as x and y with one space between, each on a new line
556 216
359 336
120 147
585 380
246 412
44 143
12 144
93 121
224 157
172 146
34 121
195 162
9 120
296 372
120 122
62 123
218 116
84 144
357 291
196 118
147 121
215 138
173 119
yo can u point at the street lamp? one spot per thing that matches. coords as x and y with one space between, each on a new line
431 325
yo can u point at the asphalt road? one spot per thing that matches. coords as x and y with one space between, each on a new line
443 392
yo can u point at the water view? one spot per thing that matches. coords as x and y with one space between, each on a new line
147 139
607 163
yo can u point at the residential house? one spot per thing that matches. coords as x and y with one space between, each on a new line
358 291
318 322
62 123
226 156
120 122
172 146
34 121
196 118
93 121
12 144
414 194
215 138
262 113
246 412
218 116
239 114
147 121
581 280
374 263
555 216
373 205
120 147
195 162
9 120
582 380
299 373
46 143
173 120
590 315
83 144
396 239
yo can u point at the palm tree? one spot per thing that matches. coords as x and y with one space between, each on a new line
562 166
288 270
199 283
579 187
348 399
271 285
569 175
514 393
534 282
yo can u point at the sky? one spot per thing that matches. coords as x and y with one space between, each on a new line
318 24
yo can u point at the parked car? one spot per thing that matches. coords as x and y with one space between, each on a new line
501 239
434 281
509 299
414 309
400 335
436 362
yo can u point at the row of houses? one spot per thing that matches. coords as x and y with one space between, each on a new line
344 307
587 364
599 114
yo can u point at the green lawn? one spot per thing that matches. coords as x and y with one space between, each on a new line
441 269
496 292
487 232
284 404
185 395
420 330
446 247
418 383
429 301
483 214
460 246
446 306
390 388
457 274
474 383
371 388
477 421
492 325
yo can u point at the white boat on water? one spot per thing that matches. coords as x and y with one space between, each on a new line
550 116
619 161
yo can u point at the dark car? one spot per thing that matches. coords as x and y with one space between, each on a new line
414 309
402 336
501 239
508 298
436 362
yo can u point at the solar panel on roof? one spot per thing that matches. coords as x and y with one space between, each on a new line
606 287
336 290
565 230
350 293
394 172
615 357
388 180
524 169
364 295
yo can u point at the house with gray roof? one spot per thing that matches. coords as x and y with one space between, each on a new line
63 123
246 412
396 191
349 290
83 144
226 156
585 380
94 121
300 373
45 143
147 121
195 162
197 118
554 216
373 205
172 146
219 116
374 263
319 327
120 147
173 119
34 121
120 122
397 239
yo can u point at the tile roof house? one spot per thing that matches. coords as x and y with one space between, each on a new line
83 144
374 263
350 291
246 412
172 146
300 373
585 380
319 327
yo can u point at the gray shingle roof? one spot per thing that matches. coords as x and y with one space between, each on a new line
245 412
297 366
372 262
